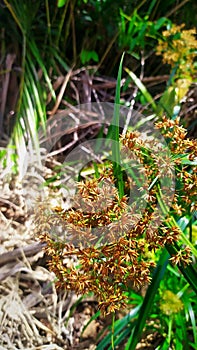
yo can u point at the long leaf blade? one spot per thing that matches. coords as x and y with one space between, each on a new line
148 301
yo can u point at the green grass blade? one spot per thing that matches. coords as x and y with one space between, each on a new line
113 134
191 312
142 88
60 60
94 317
120 329
181 336
35 52
37 90
148 301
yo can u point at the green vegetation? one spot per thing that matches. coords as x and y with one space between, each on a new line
57 55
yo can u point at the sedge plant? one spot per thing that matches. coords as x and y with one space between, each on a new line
110 268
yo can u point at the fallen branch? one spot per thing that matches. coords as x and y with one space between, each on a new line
18 253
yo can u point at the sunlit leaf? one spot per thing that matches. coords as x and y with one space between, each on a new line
61 3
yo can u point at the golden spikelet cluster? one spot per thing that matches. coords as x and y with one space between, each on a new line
184 153
103 244
178 47
107 269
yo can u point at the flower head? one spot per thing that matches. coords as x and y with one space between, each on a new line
170 303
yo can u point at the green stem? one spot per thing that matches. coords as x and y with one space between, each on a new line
112 331
170 329
9 6
61 23
48 22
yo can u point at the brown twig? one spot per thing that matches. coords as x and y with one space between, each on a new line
60 96
18 253
9 63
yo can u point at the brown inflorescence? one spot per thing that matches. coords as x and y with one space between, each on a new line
106 242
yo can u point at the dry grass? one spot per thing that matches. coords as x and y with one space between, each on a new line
32 314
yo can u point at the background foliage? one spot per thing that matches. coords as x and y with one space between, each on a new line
56 54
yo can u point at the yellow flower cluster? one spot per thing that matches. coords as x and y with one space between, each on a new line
178 47
170 303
